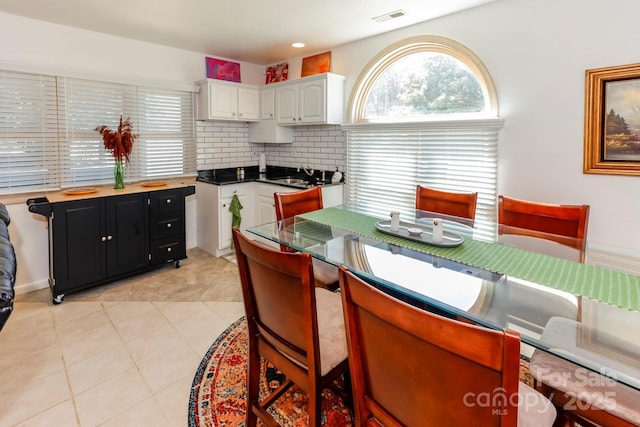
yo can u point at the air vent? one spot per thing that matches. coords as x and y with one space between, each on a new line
390 15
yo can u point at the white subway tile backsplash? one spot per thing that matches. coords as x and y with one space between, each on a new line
225 144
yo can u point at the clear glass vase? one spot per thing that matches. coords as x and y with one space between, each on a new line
118 174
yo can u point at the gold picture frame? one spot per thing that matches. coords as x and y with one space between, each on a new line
612 120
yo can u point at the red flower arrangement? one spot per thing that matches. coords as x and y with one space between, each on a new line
118 142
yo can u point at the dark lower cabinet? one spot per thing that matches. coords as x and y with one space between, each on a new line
98 240
167 227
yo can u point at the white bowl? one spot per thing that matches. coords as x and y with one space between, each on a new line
414 231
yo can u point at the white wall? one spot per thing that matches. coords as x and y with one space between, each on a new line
37 46
536 50
63 50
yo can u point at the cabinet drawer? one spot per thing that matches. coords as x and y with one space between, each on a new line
168 249
231 189
165 201
166 224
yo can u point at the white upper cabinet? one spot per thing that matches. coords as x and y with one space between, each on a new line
312 100
267 104
222 100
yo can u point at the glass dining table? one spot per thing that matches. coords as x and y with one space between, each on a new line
584 314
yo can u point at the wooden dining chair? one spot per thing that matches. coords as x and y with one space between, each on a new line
564 224
581 396
289 205
460 205
293 324
410 367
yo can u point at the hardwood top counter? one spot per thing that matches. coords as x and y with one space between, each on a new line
63 196
103 191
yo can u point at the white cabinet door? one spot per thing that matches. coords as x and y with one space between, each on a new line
332 195
223 101
287 104
311 100
245 193
312 107
248 103
267 103
266 209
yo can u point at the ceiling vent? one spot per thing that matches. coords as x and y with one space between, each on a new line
390 15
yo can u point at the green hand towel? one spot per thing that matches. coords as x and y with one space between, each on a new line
234 208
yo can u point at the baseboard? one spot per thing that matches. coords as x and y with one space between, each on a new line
30 287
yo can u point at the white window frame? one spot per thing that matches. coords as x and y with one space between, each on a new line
67 112
386 159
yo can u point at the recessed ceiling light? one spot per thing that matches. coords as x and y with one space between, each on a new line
297 44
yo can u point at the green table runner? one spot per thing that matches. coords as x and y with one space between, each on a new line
605 285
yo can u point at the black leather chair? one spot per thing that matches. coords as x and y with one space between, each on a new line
7 268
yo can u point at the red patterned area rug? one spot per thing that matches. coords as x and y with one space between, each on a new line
218 393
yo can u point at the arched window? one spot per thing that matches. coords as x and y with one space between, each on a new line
423 111
423 77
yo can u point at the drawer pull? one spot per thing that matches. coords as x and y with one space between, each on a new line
168 249
169 225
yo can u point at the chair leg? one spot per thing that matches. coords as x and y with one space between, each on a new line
253 385
315 407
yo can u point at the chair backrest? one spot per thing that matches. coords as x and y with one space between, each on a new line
461 205
286 324
564 224
411 367
291 204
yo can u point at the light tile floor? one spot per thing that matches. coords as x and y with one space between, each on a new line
122 354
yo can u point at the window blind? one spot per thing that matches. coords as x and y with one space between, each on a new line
28 132
162 119
385 162
167 133
48 141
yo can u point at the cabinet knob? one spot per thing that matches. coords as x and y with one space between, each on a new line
104 238
168 249
169 225
240 115
109 237
168 201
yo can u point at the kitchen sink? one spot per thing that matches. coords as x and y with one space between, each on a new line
295 181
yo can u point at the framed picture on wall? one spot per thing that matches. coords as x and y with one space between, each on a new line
221 69
316 64
612 120
277 73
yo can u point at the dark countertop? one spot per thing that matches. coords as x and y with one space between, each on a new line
229 176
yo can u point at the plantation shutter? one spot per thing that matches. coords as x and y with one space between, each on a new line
385 162
28 132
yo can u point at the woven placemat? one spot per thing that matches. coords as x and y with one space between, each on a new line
613 287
